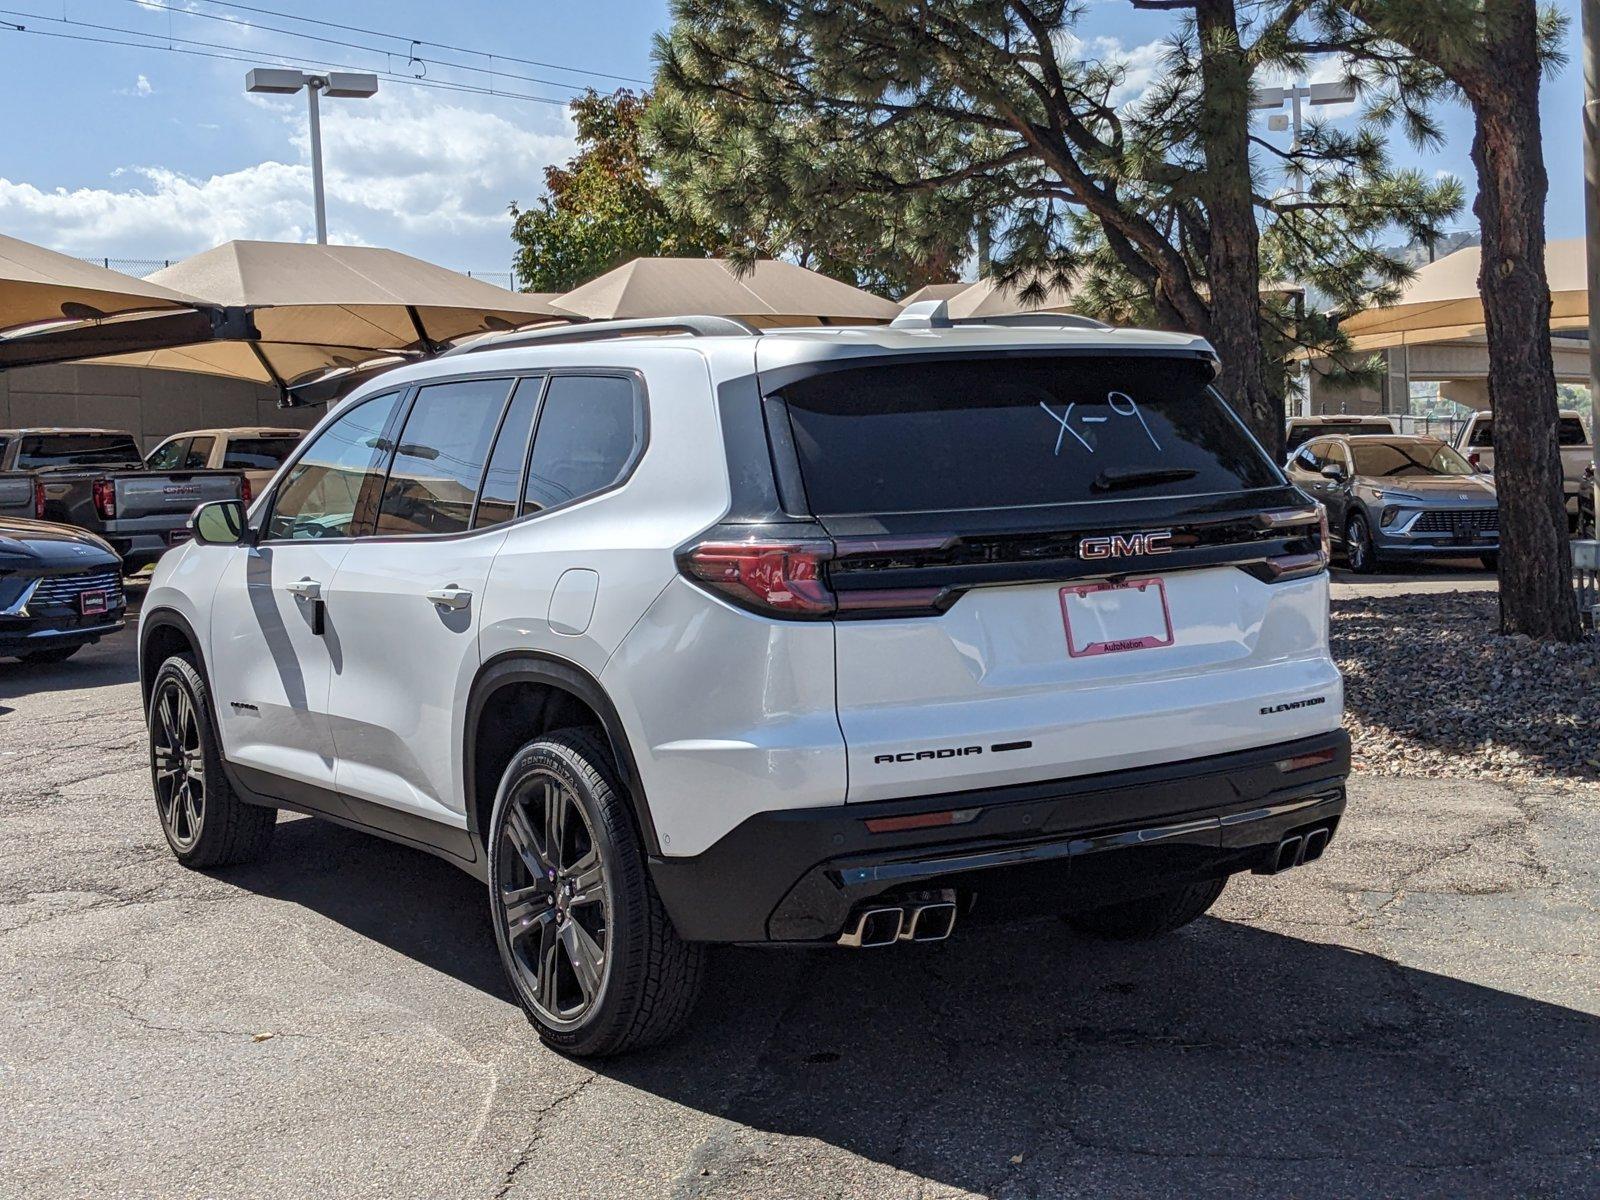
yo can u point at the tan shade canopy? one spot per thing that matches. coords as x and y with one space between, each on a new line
935 291
39 285
319 309
771 292
987 298
1442 303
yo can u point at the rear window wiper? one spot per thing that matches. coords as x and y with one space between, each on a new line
1112 478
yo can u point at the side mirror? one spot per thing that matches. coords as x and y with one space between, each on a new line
221 523
1332 471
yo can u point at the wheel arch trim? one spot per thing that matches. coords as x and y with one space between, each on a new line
533 666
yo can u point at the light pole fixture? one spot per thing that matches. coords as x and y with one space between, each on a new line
1336 92
348 85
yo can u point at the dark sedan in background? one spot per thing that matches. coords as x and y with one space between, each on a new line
60 589
1391 496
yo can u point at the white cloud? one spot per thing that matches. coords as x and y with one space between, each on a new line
1139 63
141 87
412 170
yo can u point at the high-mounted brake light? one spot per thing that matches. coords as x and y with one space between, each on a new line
776 577
38 499
105 498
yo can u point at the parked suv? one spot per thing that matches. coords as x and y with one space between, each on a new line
800 636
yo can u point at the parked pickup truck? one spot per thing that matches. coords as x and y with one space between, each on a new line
21 495
1476 442
96 479
255 451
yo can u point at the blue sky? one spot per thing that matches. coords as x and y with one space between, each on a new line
139 152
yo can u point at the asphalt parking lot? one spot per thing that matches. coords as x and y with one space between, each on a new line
1416 1015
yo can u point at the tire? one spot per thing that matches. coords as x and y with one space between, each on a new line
1359 551
584 939
1149 916
203 818
1491 562
45 657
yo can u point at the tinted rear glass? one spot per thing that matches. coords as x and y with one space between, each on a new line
1299 435
1013 432
258 454
78 450
1572 432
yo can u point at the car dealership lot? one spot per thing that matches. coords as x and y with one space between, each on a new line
1418 1014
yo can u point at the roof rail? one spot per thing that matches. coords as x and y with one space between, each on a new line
701 325
935 314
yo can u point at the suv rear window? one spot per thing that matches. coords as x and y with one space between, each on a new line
258 454
47 450
1011 432
1299 435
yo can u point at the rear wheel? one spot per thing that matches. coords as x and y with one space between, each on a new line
45 657
1358 547
206 823
1150 916
583 936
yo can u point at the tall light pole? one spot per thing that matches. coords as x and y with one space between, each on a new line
278 81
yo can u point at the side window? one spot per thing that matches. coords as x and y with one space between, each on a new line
168 455
198 454
322 493
502 482
439 457
1483 434
1339 453
1314 456
590 428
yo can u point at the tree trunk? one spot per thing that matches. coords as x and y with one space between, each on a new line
1233 263
1536 596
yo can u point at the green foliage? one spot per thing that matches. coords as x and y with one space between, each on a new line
913 125
601 209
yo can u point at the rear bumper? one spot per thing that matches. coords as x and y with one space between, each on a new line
795 875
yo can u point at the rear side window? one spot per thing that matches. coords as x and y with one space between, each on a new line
322 495
258 454
199 451
439 457
590 430
1482 434
1572 432
168 455
502 481
1016 432
42 451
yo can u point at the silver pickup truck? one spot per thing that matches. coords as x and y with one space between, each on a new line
96 479
21 495
1476 442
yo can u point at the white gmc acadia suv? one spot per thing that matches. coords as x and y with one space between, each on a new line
786 636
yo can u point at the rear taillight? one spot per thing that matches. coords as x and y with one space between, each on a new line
1475 461
1297 565
38 498
105 498
244 490
782 578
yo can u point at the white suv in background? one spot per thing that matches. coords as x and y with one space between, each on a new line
796 636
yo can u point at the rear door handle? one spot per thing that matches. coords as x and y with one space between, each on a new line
304 589
451 597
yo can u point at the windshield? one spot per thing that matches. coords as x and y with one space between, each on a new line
1400 460
1011 432
44 451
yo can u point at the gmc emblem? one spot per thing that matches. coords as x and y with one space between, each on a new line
1125 545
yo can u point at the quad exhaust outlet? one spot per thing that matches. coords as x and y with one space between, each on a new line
929 917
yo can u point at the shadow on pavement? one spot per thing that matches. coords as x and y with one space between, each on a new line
1018 1057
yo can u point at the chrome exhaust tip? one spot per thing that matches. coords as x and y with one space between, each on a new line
1285 856
929 922
874 927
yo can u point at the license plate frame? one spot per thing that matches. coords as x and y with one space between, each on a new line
1084 645
93 603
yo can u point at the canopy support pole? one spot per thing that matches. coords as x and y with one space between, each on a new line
285 397
1591 212
429 347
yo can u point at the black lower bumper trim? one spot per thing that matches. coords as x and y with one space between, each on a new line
795 875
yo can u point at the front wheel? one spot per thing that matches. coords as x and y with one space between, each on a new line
1150 916
583 936
1358 547
206 823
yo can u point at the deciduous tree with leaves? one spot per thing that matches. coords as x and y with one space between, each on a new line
943 117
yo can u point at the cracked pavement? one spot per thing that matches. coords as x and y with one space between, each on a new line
1416 1015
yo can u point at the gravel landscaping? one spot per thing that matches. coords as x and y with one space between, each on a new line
1431 689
